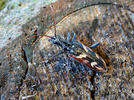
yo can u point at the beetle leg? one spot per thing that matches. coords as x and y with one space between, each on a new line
73 39
51 59
68 36
63 37
94 45
68 67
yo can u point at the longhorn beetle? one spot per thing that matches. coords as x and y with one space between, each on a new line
78 51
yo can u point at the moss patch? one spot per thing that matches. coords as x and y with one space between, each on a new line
2 3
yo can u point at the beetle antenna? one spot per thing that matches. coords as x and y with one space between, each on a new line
42 36
53 20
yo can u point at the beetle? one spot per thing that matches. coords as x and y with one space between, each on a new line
77 50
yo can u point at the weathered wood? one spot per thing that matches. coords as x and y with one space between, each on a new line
24 76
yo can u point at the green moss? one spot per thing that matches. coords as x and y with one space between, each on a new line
2 3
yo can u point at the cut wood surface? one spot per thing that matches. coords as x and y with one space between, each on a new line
24 75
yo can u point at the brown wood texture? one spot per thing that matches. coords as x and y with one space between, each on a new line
109 22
